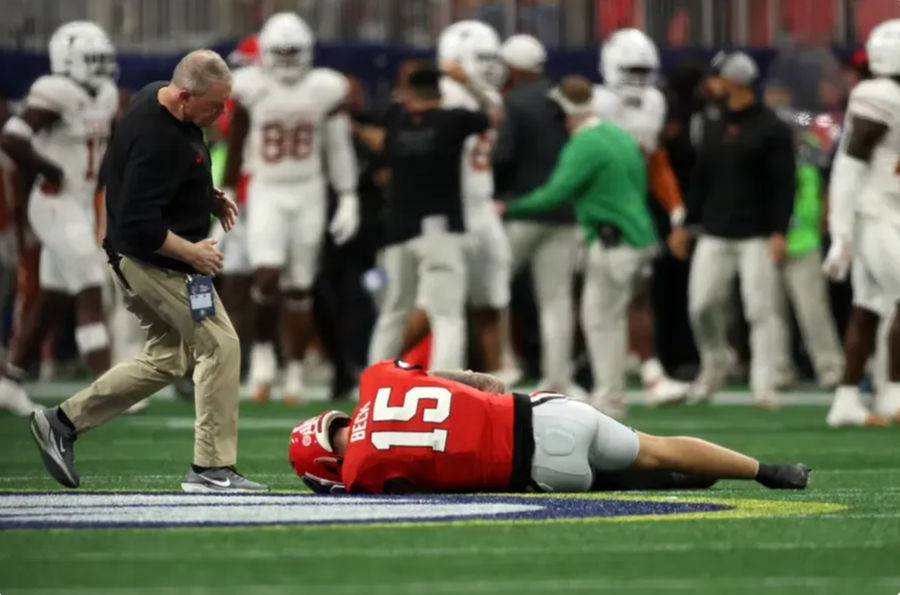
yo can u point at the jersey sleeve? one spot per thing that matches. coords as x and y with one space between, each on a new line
51 93
331 88
876 100
247 85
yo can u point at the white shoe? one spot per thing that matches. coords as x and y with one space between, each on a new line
708 383
14 399
263 367
847 410
292 387
666 391
137 407
767 400
887 402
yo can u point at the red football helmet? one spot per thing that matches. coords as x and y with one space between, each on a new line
311 454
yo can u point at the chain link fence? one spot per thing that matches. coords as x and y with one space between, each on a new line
166 25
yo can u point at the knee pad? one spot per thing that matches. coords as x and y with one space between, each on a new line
91 337
298 299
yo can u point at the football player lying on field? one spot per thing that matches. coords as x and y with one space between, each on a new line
415 431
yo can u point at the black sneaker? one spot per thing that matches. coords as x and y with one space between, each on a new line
784 477
219 479
56 443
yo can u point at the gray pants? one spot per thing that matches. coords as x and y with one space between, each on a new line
572 440
800 282
429 270
551 251
715 264
174 341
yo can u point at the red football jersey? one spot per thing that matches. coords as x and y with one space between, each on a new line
436 434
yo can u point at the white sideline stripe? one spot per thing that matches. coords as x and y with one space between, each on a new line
488 586
442 552
54 391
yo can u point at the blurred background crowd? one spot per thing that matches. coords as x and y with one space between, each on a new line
808 52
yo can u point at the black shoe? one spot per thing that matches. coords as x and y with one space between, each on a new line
56 443
784 477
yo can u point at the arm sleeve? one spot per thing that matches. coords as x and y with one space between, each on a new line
149 182
577 164
782 172
342 169
663 183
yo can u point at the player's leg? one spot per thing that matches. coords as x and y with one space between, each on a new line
709 284
809 295
757 272
441 259
489 279
660 390
783 361
297 318
881 252
553 269
869 302
604 306
401 268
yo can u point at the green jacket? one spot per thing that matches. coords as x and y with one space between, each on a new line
602 169
805 233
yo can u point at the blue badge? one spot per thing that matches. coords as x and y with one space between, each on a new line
200 296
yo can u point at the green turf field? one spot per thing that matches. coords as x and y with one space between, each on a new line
852 549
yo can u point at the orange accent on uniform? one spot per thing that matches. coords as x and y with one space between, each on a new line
663 183
477 456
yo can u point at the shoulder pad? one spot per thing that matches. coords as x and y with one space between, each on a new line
52 92
876 99
247 85
330 86
604 102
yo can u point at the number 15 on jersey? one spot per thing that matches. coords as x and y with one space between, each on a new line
436 411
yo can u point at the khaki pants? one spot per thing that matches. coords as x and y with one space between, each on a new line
174 342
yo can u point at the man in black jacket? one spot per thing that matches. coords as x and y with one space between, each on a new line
159 201
742 196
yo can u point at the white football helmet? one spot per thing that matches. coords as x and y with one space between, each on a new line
476 46
286 47
524 52
82 51
629 60
883 48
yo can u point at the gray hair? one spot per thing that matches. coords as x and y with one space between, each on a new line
200 69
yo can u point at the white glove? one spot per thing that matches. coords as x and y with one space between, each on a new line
840 256
345 222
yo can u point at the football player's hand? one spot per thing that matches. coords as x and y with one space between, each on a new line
321 486
679 242
205 257
777 247
840 256
226 208
455 71
345 221
499 208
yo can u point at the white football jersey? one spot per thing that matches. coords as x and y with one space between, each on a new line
642 115
286 121
879 100
78 140
476 165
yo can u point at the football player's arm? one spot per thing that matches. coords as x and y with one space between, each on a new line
342 169
576 165
664 186
851 165
399 485
237 137
479 380
16 137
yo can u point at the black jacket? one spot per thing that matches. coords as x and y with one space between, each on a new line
744 181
